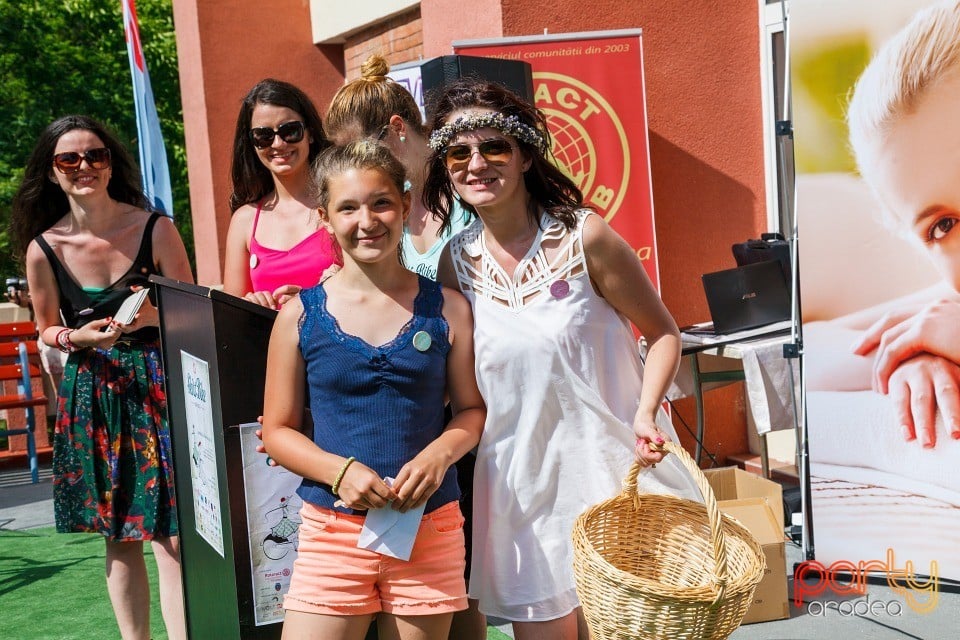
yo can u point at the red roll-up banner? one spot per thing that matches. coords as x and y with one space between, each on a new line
598 120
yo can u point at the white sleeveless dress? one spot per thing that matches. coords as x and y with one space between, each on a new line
560 372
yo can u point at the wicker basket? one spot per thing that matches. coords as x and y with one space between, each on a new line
658 567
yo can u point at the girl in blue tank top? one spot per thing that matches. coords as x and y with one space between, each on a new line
380 349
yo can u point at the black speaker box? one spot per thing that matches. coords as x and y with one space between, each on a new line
516 75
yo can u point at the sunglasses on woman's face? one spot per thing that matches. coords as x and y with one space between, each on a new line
70 161
290 132
497 152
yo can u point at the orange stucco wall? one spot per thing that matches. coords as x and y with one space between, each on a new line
447 20
224 48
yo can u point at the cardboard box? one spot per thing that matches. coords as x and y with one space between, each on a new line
758 504
781 444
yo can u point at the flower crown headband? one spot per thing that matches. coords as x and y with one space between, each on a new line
509 125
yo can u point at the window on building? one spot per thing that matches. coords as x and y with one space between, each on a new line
778 148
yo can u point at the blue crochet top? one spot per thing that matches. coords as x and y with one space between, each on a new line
383 405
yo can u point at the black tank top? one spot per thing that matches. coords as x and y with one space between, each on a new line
78 307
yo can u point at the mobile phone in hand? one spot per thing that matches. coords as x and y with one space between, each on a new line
128 310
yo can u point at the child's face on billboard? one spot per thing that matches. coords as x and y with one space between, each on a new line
916 173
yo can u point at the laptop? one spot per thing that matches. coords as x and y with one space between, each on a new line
754 295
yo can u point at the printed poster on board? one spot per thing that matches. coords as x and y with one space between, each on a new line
408 77
598 121
203 460
877 200
273 525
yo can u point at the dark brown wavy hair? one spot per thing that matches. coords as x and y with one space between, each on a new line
549 188
40 202
251 180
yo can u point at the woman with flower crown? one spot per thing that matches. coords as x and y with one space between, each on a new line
553 290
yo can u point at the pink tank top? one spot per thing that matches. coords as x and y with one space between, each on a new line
301 265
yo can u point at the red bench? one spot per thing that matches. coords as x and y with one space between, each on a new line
21 388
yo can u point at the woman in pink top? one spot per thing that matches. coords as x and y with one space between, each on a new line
275 244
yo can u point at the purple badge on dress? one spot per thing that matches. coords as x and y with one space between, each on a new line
560 289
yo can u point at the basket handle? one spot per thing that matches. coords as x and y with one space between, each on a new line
710 502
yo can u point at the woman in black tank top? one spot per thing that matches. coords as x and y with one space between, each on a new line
80 221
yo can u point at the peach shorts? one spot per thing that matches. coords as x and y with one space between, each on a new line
331 576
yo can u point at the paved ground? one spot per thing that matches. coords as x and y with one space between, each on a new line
24 505
886 617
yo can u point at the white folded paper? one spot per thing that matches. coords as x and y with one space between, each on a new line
389 532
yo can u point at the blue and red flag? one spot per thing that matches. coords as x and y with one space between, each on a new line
153 155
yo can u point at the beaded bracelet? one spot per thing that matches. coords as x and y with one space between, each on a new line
335 487
63 341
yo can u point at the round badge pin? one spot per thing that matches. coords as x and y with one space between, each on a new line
254 261
560 289
422 341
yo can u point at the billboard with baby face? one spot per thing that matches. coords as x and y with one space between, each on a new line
877 152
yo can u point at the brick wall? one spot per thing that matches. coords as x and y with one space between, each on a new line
399 39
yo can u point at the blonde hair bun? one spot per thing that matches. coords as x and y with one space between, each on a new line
374 68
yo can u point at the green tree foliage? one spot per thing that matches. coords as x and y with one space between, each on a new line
59 57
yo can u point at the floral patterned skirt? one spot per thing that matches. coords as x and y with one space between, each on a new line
112 459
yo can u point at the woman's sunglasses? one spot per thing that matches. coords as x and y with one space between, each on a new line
70 161
290 132
497 151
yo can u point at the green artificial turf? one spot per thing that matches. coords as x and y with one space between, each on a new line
52 587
